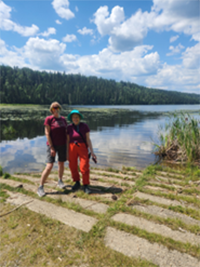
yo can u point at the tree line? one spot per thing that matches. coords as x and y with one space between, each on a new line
25 86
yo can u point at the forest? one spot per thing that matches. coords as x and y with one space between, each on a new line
25 86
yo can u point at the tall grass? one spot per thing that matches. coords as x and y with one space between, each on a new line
180 140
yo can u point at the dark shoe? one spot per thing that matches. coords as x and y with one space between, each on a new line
76 186
86 189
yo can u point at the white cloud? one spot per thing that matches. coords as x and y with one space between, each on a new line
85 31
130 33
69 38
175 50
174 38
196 36
124 34
165 15
105 23
11 57
58 21
126 65
62 9
176 78
48 32
8 25
179 16
191 57
44 54
76 8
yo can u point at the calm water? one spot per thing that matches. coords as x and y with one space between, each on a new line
117 142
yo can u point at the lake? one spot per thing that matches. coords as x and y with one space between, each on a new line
119 139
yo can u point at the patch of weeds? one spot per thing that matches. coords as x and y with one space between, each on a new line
3 196
168 187
141 182
150 170
158 167
197 173
6 175
124 168
12 224
1 171
112 170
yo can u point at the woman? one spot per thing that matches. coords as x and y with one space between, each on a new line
55 131
78 141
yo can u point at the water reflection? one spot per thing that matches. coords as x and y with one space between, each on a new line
117 140
122 139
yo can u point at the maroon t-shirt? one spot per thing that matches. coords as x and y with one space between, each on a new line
58 130
74 136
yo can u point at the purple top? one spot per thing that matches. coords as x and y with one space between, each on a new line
74 136
58 130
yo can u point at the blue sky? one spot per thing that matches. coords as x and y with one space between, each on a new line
151 43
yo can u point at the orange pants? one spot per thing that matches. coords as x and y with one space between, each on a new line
79 151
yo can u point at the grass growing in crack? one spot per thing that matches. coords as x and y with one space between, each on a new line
22 180
188 199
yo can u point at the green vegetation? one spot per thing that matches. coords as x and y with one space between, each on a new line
180 140
34 87
37 240
6 175
1 171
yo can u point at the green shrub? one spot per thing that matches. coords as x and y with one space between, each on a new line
6 175
1 171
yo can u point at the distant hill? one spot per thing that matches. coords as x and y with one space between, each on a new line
27 86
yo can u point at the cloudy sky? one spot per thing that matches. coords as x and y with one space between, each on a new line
151 43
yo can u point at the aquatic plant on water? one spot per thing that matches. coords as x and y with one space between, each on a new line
180 139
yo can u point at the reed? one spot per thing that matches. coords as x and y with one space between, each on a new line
180 139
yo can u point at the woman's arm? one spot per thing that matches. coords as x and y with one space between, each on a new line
68 147
47 133
89 143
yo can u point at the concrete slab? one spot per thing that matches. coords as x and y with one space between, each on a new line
134 246
165 213
86 204
69 217
156 228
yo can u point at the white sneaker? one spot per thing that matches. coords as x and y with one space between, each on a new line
41 192
60 184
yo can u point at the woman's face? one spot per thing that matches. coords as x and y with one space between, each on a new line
56 111
75 119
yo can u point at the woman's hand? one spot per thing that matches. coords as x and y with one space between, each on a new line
94 157
53 152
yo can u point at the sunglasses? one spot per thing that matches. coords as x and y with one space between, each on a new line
54 108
